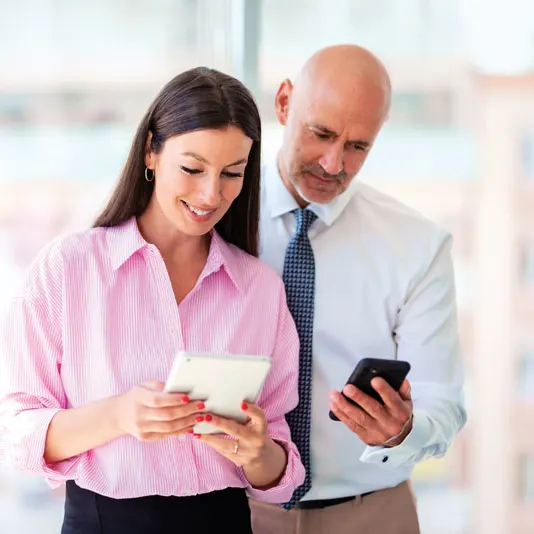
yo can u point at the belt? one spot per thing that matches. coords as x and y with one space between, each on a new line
325 503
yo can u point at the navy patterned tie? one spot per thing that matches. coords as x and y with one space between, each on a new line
299 280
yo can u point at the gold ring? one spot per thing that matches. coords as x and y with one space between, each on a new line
236 447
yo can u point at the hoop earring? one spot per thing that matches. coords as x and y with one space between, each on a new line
146 175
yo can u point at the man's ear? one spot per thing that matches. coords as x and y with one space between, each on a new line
282 101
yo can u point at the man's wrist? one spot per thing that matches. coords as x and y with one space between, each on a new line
401 436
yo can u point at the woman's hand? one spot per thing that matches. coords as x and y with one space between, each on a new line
251 441
263 460
149 414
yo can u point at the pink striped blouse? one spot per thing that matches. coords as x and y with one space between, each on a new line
98 316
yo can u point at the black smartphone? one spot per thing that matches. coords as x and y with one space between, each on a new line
392 371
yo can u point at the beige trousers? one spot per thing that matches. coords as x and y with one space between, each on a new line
389 511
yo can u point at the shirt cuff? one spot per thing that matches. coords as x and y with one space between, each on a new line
27 444
406 453
291 480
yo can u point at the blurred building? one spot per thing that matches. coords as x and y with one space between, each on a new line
503 335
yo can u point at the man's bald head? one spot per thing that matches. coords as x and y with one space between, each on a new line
345 70
332 113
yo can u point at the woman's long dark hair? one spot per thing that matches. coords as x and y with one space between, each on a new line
197 99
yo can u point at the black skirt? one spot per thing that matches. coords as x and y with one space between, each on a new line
87 512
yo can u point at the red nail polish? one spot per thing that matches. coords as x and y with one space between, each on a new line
186 399
190 431
196 436
201 405
244 406
200 418
209 418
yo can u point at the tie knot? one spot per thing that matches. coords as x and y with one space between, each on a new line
305 219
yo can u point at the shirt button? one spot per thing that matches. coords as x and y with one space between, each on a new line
385 459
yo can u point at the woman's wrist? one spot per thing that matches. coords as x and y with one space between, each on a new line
266 471
112 415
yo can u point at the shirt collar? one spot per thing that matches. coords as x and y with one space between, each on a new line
225 256
280 201
126 239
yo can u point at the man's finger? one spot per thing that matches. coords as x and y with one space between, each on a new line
370 405
405 390
355 413
350 423
391 398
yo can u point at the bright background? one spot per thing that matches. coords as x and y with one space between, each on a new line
76 77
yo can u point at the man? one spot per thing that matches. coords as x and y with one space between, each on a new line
365 277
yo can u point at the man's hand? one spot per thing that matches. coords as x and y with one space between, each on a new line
374 423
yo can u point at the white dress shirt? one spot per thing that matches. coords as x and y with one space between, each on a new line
384 289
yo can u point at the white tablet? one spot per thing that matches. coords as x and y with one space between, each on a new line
222 381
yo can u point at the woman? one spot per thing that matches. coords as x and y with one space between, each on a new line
170 265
